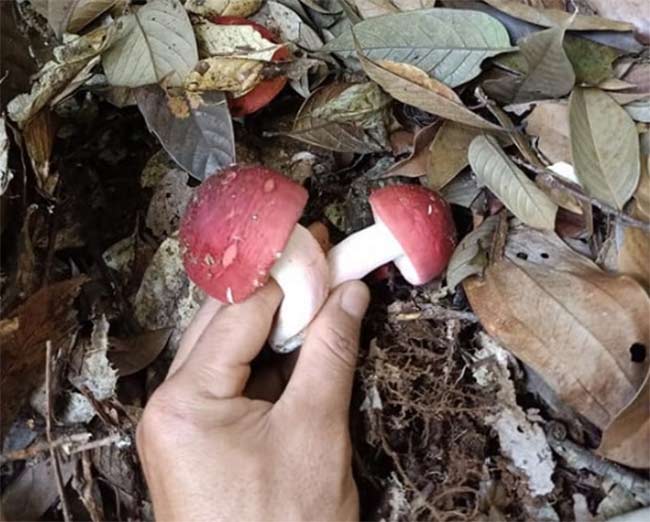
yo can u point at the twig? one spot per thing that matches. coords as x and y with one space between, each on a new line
580 458
106 441
549 180
40 447
431 311
48 432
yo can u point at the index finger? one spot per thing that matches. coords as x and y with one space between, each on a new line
219 363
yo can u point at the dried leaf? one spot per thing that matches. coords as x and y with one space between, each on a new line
71 15
234 41
549 121
470 257
639 110
235 75
166 297
634 253
32 493
447 44
129 356
154 43
625 440
195 129
418 162
331 135
592 62
5 173
519 194
629 11
360 104
604 146
557 17
168 203
573 323
372 8
448 153
48 315
59 77
411 85
209 8
39 134
549 73
292 28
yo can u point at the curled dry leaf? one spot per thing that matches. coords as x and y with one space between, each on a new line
236 75
447 44
291 27
604 146
557 17
471 254
448 153
59 77
39 133
340 137
573 323
549 121
194 128
234 41
5 173
48 315
210 8
71 15
519 194
154 43
413 86
418 163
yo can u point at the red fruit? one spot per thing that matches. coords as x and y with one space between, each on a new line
266 90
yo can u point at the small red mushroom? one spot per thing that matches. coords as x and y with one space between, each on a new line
240 228
267 89
413 228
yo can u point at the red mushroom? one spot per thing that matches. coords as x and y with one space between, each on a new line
240 228
413 228
267 89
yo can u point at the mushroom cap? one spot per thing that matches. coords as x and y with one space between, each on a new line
235 228
421 221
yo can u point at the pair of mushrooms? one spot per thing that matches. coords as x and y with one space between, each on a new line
241 227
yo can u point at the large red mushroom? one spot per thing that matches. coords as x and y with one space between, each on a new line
240 228
413 228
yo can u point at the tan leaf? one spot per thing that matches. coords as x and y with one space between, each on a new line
549 121
233 41
236 75
370 8
206 8
630 11
413 86
634 255
556 17
418 162
448 153
573 323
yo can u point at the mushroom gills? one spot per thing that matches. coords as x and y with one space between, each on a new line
302 273
360 253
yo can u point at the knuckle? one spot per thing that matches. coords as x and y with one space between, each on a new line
341 346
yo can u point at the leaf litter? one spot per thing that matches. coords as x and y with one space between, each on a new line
516 387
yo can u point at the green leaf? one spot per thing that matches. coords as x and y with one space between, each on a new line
592 62
411 85
470 256
604 146
154 43
448 44
519 194
549 73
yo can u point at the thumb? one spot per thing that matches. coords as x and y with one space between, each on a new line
322 378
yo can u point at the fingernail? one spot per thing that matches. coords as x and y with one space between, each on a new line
355 299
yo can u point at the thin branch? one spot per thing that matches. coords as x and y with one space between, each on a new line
546 178
431 311
40 447
48 432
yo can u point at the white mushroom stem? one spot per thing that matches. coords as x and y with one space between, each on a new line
302 273
362 252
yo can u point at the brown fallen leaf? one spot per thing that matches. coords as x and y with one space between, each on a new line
573 323
630 11
634 255
448 153
39 136
48 315
418 162
549 121
625 440
129 356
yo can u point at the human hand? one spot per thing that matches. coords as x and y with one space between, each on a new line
209 452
